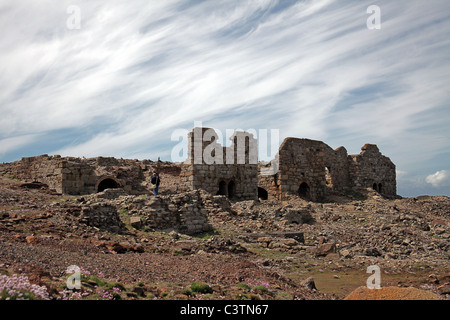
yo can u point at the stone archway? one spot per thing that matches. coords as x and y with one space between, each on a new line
222 188
380 188
304 191
107 183
231 189
262 194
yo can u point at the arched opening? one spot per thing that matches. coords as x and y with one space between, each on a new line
222 188
328 178
262 194
380 189
107 183
303 191
375 187
231 189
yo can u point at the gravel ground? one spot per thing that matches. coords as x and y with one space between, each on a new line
41 236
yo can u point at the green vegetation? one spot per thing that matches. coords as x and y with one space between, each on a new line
205 235
123 211
98 281
244 286
200 287
188 292
261 288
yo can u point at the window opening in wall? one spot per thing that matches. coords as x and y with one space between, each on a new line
328 178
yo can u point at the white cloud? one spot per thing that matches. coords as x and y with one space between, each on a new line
136 71
439 179
14 143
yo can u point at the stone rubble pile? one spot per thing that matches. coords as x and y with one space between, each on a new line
102 215
184 212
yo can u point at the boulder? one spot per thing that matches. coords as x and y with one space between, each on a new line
140 291
289 242
346 253
297 216
324 249
31 239
309 283
136 222
121 247
372 252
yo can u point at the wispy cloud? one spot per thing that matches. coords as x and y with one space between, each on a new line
14 143
137 70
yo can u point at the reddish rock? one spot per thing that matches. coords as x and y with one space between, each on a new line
31 239
324 249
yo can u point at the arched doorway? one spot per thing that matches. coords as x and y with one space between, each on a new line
222 188
375 187
303 191
107 183
231 189
262 194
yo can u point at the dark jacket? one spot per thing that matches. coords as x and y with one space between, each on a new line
156 180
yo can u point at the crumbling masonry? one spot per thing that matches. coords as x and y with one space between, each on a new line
302 168
313 170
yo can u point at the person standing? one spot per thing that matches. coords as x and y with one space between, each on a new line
155 181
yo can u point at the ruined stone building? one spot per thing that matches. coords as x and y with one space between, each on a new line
75 176
230 171
312 170
302 167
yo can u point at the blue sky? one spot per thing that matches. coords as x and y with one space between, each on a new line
136 71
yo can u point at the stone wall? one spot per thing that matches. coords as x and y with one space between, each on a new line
102 215
370 169
173 178
230 171
295 170
268 186
80 176
43 168
183 212
306 168
312 170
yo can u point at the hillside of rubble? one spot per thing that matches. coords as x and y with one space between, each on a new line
125 246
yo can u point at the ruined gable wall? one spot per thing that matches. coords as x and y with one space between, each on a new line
323 169
302 161
371 167
268 180
337 172
237 169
